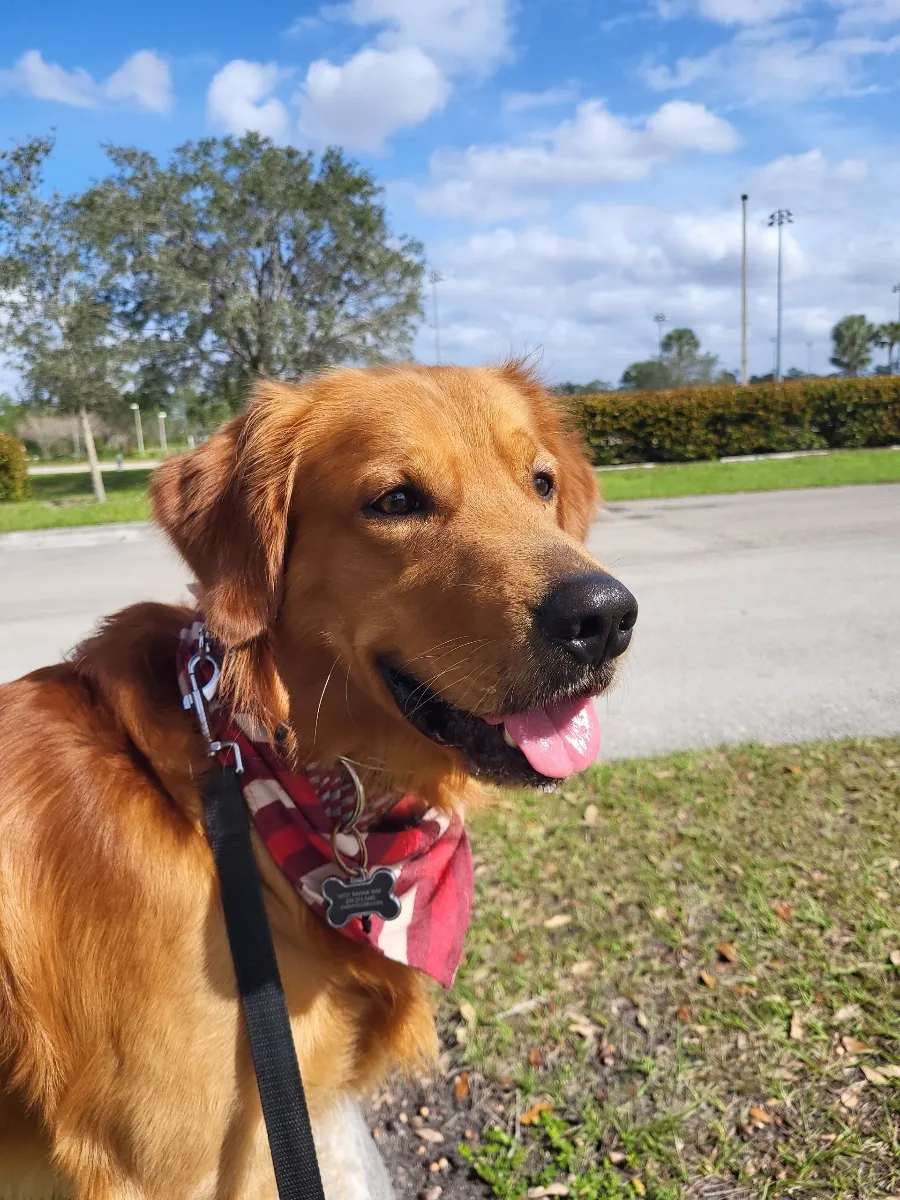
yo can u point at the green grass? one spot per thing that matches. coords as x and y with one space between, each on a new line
662 1061
700 479
65 500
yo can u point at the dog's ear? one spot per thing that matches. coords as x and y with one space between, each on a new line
225 505
577 483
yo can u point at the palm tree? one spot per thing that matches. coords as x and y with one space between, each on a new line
888 336
852 338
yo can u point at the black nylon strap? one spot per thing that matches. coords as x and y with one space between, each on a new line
262 997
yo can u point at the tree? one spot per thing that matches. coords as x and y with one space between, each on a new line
852 339
241 258
55 323
595 388
888 336
681 364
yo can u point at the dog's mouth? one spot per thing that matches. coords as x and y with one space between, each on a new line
530 748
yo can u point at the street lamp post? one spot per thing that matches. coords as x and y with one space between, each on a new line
434 279
660 320
745 370
138 429
780 218
163 444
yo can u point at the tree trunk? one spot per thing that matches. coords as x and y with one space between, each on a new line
96 473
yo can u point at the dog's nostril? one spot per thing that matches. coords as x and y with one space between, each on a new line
590 628
628 622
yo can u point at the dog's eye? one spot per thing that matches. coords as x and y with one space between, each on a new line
543 485
397 503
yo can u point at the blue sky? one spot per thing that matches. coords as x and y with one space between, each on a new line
573 166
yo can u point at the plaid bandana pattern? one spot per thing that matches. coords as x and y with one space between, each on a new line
296 812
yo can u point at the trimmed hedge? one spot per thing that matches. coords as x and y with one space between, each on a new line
766 418
14 481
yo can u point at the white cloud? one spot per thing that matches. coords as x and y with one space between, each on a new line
525 101
374 93
239 100
747 12
863 14
144 77
767 64
586 284
33 76
461 35
592 147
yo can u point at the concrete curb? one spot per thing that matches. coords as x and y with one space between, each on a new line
78 536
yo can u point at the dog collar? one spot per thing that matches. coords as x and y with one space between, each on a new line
318 827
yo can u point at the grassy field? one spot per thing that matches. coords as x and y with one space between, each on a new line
682 981
699 479
60 500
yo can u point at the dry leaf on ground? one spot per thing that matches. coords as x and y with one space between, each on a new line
467 1012
461 1087
894 957
685 1013
558 921
708 980
591 814
881 1075
639 1186
727 951
524 1006
760 1116
641 1018
535 1057
553 1189
797 1031
853 1046
430 1135
783 910
532 1115
848 1013
582 968
850 1097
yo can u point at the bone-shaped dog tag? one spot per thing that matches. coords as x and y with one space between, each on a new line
372 896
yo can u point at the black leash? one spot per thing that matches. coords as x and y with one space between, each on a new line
262 996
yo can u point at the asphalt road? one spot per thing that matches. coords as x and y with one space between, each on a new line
771 616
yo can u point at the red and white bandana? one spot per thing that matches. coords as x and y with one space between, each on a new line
295 812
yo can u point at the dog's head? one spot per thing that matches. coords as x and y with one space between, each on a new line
404 546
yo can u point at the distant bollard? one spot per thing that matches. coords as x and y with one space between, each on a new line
120 462
191 442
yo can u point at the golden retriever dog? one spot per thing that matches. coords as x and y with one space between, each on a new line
369 538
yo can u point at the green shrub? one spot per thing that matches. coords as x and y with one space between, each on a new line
14 481
723 420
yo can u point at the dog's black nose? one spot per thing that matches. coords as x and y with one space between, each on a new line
590 615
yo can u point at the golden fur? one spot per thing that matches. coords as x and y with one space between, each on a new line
122 1055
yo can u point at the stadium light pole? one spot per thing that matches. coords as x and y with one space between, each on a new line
435 278
779 219
660 320
745 369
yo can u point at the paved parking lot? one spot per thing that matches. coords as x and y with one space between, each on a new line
772 616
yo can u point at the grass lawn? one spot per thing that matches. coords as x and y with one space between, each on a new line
700 479
59 500
67 499
682 980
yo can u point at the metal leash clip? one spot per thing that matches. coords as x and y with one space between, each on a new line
202 694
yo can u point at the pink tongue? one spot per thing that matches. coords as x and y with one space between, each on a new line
560 740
